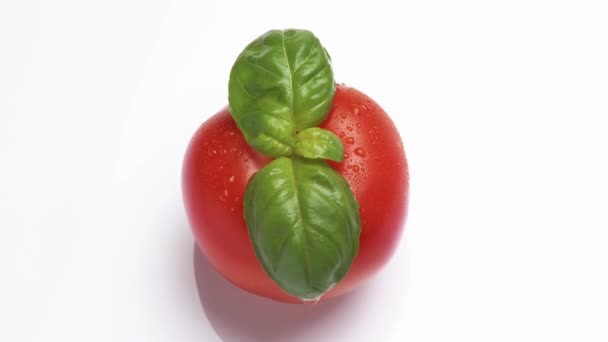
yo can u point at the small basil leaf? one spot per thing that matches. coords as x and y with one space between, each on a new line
304 222
280 84
319 143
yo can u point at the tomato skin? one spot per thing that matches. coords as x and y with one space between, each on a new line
219 162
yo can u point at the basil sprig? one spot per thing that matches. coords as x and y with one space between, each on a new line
316 142
304 222
280 84
302 216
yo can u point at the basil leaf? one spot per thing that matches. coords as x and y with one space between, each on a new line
304 222
319 143
280 84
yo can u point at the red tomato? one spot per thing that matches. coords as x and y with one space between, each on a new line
219 162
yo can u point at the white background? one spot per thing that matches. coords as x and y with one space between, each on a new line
502 107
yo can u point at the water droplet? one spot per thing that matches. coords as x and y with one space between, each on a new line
350 128
342 134
211 152
231 179
356 110
232 209
346 155
349 167
358 125
224 151
360 152
229 133
356 168
343 115
370 132
350 140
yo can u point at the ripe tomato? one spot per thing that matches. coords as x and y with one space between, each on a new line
219 163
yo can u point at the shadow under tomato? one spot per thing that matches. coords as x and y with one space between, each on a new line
237 315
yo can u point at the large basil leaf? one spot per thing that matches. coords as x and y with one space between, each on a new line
304 222
280 84
317 142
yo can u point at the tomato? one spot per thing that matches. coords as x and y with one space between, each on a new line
219 162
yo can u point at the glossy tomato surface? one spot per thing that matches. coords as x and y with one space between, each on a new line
219 163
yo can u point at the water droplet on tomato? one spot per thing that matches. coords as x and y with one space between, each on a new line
360 152
211 152
342 134
356 168
229 133
346 155
358 125
231 179
350 128
343 115
349 167
350 140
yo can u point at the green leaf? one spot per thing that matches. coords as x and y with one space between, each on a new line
319 143
304 222
280 84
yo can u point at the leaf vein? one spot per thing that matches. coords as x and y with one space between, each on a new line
291 90
301 215
263 69
238 78
312 77
305 59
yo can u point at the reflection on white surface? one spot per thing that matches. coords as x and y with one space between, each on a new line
365 314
